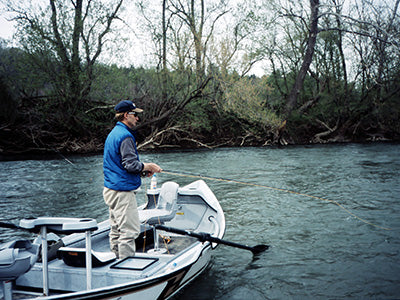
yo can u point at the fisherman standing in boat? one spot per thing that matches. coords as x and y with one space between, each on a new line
122 169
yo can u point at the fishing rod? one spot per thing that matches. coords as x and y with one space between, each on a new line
186 174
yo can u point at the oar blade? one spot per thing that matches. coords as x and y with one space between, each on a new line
259 248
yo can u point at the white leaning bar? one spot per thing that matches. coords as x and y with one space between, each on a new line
43 234
88 260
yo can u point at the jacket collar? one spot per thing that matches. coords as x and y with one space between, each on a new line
119 123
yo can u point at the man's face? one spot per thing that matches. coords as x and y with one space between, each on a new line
131 119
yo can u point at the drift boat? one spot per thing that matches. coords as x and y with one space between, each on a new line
180 226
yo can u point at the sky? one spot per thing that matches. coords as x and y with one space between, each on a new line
6 28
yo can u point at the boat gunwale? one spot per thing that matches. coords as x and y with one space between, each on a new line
121 289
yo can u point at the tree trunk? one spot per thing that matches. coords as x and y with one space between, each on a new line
197 36
312 37
164 37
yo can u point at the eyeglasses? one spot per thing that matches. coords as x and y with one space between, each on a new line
133 113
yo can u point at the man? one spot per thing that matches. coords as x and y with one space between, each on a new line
122 169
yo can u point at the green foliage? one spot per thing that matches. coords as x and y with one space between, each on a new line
112 83
246 99
196 117
228 108
8 106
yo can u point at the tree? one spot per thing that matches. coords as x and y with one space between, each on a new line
307 59
65 39
196 16
376 45
181 29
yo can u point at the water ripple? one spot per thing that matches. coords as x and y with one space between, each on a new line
317 250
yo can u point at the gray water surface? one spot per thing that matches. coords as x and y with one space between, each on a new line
318 249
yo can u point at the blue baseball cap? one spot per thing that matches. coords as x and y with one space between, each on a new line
125 106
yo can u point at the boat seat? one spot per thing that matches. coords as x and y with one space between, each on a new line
16 258
59 225
166 207
76 257
54 242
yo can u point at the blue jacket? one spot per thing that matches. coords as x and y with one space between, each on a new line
116 177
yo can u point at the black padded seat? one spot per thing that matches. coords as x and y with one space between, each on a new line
76 257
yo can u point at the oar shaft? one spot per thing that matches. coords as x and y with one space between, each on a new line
228 243
9 225
202 236
178 231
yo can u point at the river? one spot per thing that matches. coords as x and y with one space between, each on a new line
343 242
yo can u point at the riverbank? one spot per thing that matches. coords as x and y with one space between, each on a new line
46 154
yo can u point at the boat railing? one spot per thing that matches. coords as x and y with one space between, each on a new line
217 229
44 225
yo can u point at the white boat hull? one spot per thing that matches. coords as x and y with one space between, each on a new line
156 273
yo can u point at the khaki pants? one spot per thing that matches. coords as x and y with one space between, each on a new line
124 221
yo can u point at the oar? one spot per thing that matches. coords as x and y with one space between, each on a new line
13 226
202 236
10 225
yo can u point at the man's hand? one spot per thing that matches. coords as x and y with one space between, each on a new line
151 168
